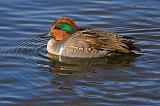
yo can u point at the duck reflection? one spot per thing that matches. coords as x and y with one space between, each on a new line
68 71
60 63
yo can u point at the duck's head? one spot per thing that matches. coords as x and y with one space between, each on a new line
62 28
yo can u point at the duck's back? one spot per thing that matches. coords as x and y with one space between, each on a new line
95 43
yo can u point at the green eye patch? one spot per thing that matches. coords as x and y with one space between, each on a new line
65 27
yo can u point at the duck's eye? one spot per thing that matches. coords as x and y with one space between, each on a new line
65 27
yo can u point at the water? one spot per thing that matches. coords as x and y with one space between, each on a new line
29 78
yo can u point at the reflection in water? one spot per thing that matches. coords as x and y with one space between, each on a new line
68 71
62 64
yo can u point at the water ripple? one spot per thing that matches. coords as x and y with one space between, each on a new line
30 77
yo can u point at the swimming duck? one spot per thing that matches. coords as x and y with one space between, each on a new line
70 41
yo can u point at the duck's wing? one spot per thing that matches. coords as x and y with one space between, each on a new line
103 40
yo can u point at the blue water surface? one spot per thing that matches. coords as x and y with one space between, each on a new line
29 78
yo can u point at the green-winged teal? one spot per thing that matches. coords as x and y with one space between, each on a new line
68 40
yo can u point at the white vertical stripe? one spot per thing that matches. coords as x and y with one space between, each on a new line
60 51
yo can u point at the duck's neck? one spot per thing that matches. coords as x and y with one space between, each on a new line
55 46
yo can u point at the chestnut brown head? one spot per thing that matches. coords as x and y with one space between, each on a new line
63 28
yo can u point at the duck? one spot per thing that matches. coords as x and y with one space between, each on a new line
69 40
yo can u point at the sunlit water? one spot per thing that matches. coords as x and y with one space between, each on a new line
28 77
